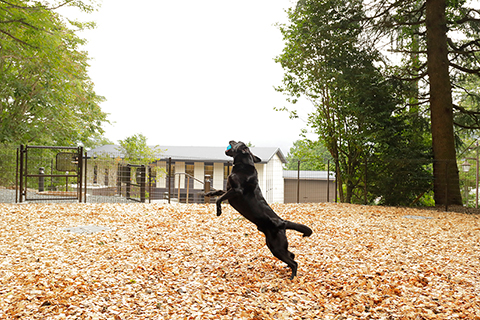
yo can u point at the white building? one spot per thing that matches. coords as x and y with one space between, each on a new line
191 165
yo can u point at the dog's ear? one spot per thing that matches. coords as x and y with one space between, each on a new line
254 157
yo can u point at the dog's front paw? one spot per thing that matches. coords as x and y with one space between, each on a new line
219 210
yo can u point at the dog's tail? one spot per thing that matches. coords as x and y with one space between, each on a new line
298 227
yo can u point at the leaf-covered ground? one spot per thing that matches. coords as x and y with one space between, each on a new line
183 262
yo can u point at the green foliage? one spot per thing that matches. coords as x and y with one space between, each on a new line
313 156
358 114
468 106
7 166
137 151
46 95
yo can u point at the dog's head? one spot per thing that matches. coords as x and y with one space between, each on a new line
240 151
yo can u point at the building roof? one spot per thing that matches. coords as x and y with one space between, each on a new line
192 153
308 175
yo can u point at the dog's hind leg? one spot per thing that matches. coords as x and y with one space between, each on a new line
278 244
287 257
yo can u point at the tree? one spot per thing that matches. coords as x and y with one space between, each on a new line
46 95
417 31
443 36
357 116
136 149
467 95
312 156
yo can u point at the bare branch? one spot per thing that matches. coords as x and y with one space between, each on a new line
16 39
464 69
461 49
465 111
416 78
466 127
60 5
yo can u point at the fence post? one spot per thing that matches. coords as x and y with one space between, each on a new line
119 179
142 183
149 184
21 173
446 185
85 172
298 182
16 178
169 179
128 181
476 176
179 178
207 187
365 182
41 180
336 180
188 188
328 180
80 173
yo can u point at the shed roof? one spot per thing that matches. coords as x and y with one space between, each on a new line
192 153
308 175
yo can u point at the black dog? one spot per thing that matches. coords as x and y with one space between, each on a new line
243 193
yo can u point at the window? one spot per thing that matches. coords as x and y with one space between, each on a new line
227 170
209 170
190 169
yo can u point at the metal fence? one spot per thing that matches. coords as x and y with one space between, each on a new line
110 179
405 182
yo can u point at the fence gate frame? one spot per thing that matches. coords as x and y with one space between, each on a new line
22 173
124 177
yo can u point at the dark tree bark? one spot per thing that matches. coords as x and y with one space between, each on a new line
446 184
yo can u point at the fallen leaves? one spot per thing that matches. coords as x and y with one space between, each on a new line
182 262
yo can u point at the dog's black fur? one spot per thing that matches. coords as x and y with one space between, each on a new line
243 193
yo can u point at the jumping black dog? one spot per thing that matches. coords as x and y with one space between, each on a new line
243 194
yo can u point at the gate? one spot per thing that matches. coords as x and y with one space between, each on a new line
50 173
126 181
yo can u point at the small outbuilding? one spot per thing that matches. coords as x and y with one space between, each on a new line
308 186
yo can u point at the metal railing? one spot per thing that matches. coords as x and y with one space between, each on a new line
206 185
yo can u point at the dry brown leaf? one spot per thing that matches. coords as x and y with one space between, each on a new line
183 262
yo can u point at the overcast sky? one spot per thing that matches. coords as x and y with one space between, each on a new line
192 72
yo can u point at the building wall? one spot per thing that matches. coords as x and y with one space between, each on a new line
218 176
270 179
277 186
161 175
261 176
199 173
309 191
179 169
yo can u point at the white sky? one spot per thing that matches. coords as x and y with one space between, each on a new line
192 73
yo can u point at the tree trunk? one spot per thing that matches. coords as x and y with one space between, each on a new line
445 171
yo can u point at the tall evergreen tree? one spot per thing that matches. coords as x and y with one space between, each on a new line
440 41
422 33
356 108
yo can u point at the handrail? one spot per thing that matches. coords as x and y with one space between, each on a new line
190 176
188 183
